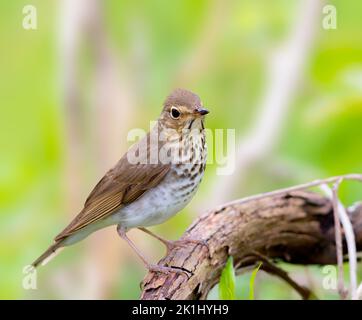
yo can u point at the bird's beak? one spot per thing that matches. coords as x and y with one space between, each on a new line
202 111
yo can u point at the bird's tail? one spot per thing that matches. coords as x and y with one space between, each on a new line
49 254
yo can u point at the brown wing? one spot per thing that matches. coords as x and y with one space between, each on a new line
121 185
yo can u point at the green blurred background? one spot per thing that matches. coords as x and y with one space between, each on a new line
92 70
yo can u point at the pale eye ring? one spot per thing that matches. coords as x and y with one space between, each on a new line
175 113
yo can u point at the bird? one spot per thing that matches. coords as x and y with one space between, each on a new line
154 180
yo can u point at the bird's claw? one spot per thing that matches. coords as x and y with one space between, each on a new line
185 242
168 270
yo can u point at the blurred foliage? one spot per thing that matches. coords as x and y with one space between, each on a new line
227 281
252 281
322 136
227 284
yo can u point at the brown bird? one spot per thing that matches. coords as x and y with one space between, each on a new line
153 181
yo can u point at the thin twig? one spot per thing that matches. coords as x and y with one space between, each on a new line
271 268
338 235
341 216
314 183
350 238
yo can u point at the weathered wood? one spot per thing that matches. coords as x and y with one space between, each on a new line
296 227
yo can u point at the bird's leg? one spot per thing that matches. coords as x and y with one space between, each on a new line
176 243
151 267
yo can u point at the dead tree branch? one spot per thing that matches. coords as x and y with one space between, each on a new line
295 226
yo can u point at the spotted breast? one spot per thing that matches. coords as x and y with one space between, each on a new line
176 190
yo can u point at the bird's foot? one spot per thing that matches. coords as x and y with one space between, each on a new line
169 270
176 243
184 243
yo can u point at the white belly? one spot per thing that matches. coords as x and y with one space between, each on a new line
170 196
160 203
153 207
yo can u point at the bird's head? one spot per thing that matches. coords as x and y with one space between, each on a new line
183 110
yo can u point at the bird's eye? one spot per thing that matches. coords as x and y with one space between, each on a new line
175 114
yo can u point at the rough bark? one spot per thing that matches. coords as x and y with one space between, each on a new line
296 227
